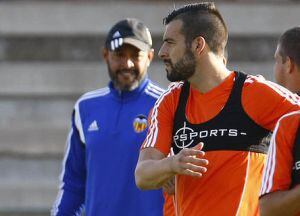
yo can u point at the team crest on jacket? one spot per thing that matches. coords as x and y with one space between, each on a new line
140 123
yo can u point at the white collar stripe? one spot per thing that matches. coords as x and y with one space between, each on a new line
153 130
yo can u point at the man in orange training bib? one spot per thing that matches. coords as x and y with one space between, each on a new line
280 193
213 119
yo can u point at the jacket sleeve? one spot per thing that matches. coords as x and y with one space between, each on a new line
71 195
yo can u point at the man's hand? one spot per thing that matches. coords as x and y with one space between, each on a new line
189 162
153 169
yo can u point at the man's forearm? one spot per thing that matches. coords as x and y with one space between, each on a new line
281 203
152 174
154 169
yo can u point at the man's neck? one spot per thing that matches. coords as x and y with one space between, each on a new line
210 75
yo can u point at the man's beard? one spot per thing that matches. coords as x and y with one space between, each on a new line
183 69
133 78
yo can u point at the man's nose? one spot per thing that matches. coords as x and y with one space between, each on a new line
162 53
127 63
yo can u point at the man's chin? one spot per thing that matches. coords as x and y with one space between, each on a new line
171 77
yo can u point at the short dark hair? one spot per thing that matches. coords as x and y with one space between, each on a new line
289 45
201 19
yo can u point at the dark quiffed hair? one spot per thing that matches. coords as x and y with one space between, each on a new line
201 19
289 45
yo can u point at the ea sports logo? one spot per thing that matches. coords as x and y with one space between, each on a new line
184 137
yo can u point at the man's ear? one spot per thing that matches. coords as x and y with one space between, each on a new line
198 44
150 55
105 53
290 65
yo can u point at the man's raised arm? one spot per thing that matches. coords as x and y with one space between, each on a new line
154 169
281 203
